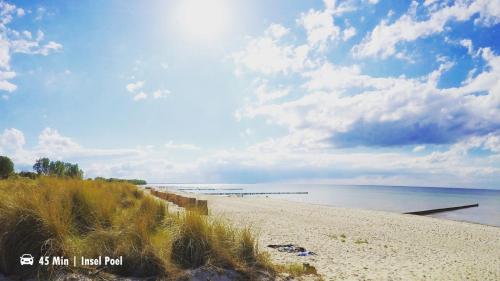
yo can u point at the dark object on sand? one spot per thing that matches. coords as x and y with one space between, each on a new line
433 211
290 248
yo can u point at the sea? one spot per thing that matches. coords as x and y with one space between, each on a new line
400 199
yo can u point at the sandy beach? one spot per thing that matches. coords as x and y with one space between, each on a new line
354 244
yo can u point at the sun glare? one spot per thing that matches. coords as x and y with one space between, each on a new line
202 20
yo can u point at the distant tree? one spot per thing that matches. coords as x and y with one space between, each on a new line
6 167
30 175
137 182
42 166
73 171
57 168
132 181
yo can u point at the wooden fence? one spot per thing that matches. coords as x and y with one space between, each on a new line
185 202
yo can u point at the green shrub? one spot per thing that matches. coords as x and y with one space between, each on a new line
6 167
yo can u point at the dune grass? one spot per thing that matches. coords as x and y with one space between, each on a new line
67 217
297 270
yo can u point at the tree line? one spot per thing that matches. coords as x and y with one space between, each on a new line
46 167
132 181
42 166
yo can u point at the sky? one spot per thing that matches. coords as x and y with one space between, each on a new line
231 91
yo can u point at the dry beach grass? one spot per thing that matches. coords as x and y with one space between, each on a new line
67 217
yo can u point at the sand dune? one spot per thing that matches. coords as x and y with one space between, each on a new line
368 245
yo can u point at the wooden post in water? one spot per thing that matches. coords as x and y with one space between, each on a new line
440 210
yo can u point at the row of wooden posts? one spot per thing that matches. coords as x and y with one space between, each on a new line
185 202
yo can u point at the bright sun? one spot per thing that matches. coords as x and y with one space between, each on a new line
202 20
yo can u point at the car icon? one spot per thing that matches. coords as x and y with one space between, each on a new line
27 259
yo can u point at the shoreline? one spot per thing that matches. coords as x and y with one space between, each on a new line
389 198
366 244
390 212
207 197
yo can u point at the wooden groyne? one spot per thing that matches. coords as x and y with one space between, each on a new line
182 201
254 193
195 188
433 211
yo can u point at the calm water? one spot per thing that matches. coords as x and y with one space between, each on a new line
384 198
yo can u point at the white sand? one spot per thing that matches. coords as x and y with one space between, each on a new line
400 247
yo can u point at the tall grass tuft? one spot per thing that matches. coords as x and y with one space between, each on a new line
69 217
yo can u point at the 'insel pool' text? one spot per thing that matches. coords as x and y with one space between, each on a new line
99 261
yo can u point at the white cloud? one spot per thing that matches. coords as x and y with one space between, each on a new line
132 87
320 27
492 142
348 33
337 9
278 159
50 47
158 94
383 40
14 41
135 87
467 43
12 143
184 146
429 2
5 84
272 54
344 107
31 47
334 105
334 108
277 31
20 12
11 140
246 133
268 55
6 11
40 13
140 96
486 81
53 145
419 148
141 162
264 95
334 78
51 140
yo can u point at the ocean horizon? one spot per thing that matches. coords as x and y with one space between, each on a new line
399 199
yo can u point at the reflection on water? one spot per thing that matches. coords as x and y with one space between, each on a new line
385 198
